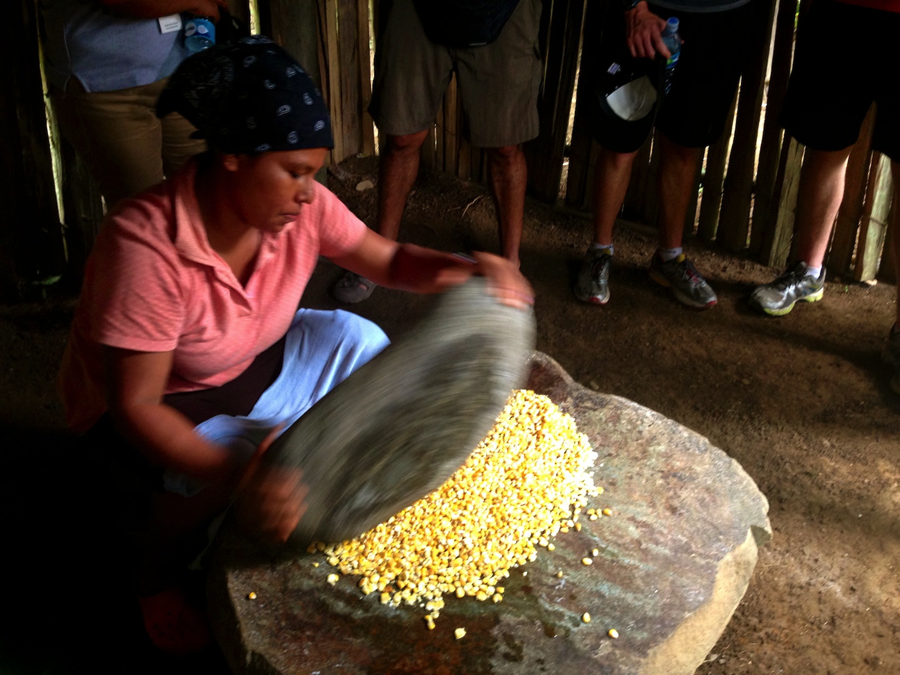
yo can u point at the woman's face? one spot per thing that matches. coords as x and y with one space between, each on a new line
272 187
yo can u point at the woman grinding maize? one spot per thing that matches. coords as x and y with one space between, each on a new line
187 335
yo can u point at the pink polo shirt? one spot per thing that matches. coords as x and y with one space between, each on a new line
154 284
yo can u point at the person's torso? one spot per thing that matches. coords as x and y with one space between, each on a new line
464 23
106 52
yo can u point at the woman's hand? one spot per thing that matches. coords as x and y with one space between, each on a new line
269 499
506 282
643 33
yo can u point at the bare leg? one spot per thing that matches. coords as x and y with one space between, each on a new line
818 200
509 175
677 169
613 173
397 173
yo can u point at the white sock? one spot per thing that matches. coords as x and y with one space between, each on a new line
813 272
668 254
605 248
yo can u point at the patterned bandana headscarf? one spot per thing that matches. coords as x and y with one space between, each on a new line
248 96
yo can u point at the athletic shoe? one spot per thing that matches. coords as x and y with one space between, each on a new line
682 277
779 297
352 288
593 277
891 356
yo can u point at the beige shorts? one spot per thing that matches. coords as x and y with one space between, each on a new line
498 83
125 146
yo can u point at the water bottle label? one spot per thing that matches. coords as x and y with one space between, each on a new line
672 60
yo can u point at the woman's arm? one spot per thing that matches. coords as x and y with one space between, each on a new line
136 383
423 270
153 9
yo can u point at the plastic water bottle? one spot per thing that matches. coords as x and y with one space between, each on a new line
199 33
672 40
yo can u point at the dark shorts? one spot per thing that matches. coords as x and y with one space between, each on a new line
844 61
498 83
713 56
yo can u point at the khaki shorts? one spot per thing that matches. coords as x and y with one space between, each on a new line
498 83
125 146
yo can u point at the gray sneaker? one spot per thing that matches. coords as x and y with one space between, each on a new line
682 277
779 297
891 356
593 277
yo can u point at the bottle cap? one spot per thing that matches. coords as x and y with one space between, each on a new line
672 25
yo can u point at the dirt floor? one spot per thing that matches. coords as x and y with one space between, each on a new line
802 402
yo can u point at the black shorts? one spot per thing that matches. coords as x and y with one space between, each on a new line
713 56
844 61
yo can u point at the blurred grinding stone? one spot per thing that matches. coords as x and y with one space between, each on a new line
675 559
399 427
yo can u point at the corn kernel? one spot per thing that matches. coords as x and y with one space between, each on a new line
613 633
586 617
587 561
332 579
460 633
251 595
607 512
595 552
559 575
527 481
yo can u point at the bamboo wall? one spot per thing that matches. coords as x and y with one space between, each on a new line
746 189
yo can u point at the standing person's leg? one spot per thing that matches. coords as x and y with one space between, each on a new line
117 135
397 171
669 266
692 117
411 76
177 145
612 176
819 197
677 169
508 177
499 85
818 200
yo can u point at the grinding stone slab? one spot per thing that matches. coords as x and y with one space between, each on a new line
398 427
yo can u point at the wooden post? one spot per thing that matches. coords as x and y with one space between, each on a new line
777 243
734 219
578 186
292 24
31 239
773 136
367 127
452 127
546 153
240 9
888 271
713 180
874 225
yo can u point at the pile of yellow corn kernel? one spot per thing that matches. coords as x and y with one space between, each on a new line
525 482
